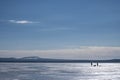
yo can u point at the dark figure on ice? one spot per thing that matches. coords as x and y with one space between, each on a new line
91 63
97 64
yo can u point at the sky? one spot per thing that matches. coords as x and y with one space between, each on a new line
69 29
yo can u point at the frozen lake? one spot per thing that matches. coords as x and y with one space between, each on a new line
59 71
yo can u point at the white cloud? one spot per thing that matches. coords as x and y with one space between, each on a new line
84 52
21 21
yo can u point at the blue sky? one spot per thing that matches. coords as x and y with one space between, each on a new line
58 24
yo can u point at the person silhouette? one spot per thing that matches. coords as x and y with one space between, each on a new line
91 64
97 64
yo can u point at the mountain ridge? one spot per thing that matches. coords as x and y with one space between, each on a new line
48 60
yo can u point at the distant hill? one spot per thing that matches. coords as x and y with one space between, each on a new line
47 60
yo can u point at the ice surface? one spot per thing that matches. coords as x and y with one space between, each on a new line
59 71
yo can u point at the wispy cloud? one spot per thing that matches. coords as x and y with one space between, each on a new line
21 21
84 52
